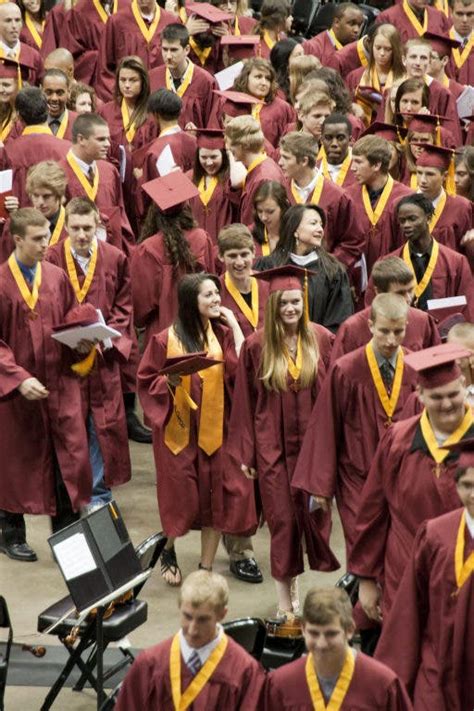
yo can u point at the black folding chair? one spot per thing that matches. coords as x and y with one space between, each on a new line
4 656
250 633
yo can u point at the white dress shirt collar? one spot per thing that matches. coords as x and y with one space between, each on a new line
203 652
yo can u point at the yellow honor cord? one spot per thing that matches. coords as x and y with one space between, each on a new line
340 690
438 211
100 11
334 39
463 569
460 57
414 181
63 125
374 215
59 227
132 128
389 404
421 286
259 159
294 366
5 132
414 21
236 27
268 40
438 453
201 54
205 194
90 190
251 314
360 51
37 36
266 243
315 197
147 32
344 169
183 701
30 297
187 79
256 110
81 292
36 128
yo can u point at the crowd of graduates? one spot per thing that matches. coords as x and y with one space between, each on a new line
287 256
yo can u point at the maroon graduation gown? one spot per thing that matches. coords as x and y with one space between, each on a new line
347 59
189 484
349 177
155 281
384 237
428 637
218 212
32 59
33 430
85 30
343 237
344 429
322 47
122 38
7 244
454 222
401 491
267 170
27 38
53 30
198 99
101 390
266 431
237 682
354 332
442 103
373 686
228 300
465 73
396 15
275 118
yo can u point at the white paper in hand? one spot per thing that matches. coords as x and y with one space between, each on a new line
6 180
166 163
225 78
74 556
94 332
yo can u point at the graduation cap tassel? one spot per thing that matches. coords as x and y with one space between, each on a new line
306 296
438 133
84 367
450 183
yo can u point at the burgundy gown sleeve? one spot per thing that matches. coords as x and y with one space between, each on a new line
153 391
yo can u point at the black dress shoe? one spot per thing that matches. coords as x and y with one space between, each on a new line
136 431
246 570
19 551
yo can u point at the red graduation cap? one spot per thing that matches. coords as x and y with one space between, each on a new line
387 131
425 123
285 278
208 12
237 103
9 68
465 449
80 315
171 190
442 44
434 156
437 366
187 364
211 138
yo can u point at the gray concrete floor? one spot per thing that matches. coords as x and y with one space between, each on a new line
30 588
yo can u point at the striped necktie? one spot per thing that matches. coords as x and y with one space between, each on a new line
194 663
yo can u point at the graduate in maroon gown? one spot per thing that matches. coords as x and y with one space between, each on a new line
90 175
306 185
345 28
55 86
84 31
442 48
135 30
99 275
36 142
200 666
333 674
279 375
364 393
414 17
375 197
171 245
10 26
193 84
270 202
411 478
393 276
335 161
45 467
53 31
33 16
189 408
352 56
461 65
246 144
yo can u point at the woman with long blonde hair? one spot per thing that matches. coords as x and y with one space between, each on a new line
278 378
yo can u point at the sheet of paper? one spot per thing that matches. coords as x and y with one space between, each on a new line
123 163
446 303
74 556
225 79
6 180
166 163
465 102
95 332
107 342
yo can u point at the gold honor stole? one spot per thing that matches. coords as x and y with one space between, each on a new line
374 215
334 39
438 453
147 32
460 57
30 297
259 159
132 127
187 79
236 27
360 51
59 227
211 422
414 21
201 54
90 190
374 80
294 366
182 14
389 404
251 314
421 286
5 132
205 194
80 292
315 197
414 181
268 40
442 6
183 701
265 243
63 125
344 169
462 569
340 690
38 38
101 12
438 211
36 128
256 109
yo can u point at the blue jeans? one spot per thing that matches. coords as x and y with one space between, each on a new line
100 493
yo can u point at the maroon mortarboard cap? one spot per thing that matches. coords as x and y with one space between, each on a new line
369 94
465 449
211 138
437 366
171 190
240 40
441 43
80 315
9 68
424 123
284 278
187 364
387 131
433 156
237 103
208 12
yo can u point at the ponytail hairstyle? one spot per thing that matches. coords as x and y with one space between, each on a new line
171 224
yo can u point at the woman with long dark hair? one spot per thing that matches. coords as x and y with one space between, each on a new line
188 411
270 203
34 14
171 245
301 244
274 24
283 52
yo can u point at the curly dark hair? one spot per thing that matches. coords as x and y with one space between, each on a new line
172 224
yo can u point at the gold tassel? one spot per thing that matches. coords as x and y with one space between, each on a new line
306 296
450 183
84 367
